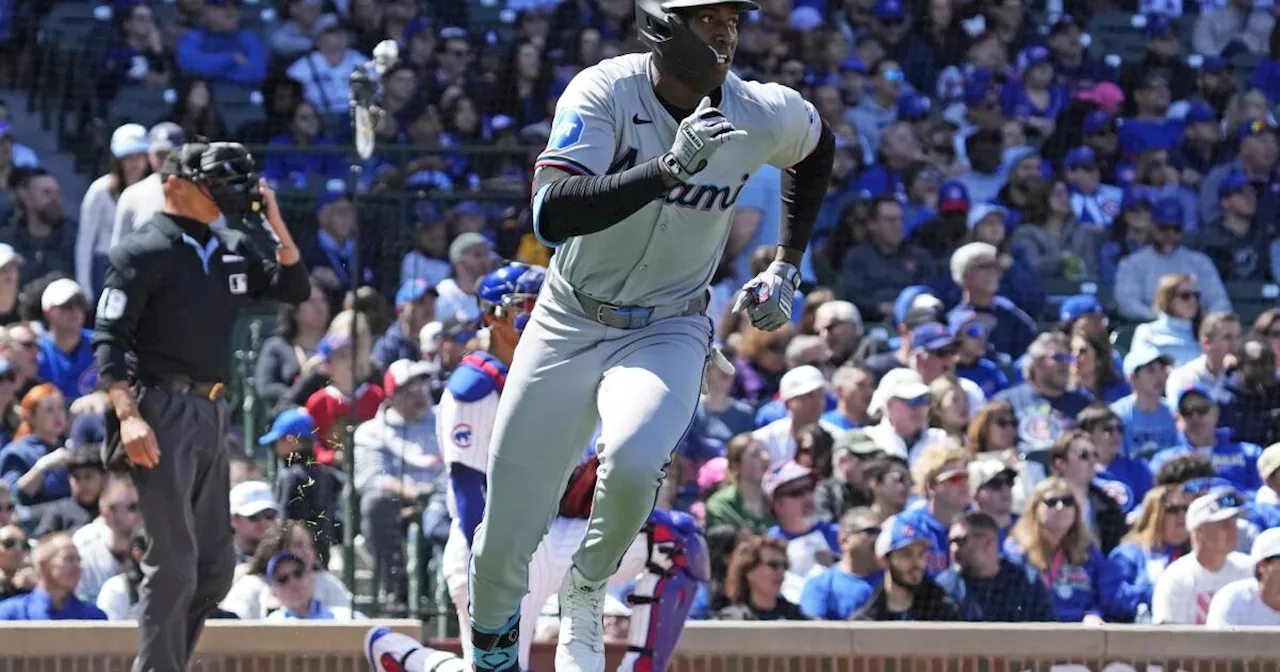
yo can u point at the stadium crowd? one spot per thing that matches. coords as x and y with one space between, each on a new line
936 437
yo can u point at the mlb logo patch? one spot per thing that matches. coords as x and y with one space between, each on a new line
239 283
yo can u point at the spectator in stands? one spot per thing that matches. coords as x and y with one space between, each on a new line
1149 127
1250 395
1054 539
427 259
841 589
1139 274
1267 327
987 586
740 505
854 385
293 585
1253 601
1202 433
196 111
397 461
1092 370
21 349
138 54
1050 238
941 475
1163 47
118 598
1177 309
984 178
991 485
1256 158
1092 202
66 351
325 73
812 543
299 33
878 111
1219 339
942 234
1159 537
803 390
949 406
1186 587
10 263
902 402
34 463
754 583
58 564
846 488
17 576
103 546
305 489
1239 246
98 207
415 307
914 307
1147 419
86 476
1201 146
142 199
254 511
993 435
285 354
719 417
1074 458
330 257
1043 406
839 324
877 270
972 363
977 268
39 230
472 257
906 592
295 167
524 83
1269 472
888 478
250 597
219 51
1232 28
1123 477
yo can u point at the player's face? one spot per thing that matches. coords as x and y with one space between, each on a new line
717 25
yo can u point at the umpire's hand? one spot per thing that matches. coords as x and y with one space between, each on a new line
139 442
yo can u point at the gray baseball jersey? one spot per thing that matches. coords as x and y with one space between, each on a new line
610 119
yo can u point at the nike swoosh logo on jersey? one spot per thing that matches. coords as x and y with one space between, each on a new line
635 119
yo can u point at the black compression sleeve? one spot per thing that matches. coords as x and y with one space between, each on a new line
804 185
576 205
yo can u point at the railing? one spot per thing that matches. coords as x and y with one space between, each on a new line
704 647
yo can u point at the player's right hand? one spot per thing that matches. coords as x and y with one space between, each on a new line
699 136
139 442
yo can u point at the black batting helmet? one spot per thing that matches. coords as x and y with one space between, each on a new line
664 31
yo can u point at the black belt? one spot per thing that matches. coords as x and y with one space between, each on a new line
194 388
638 317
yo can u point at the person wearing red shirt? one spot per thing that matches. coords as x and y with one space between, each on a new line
331 405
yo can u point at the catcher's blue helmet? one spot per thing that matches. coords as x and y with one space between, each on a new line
512 288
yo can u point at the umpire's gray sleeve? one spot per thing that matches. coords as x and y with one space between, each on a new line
120 306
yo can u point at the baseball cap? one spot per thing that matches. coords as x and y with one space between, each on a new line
467 208
1076 307
854 64
1097 121
465 242
8 255
1080 157
911 298
279 558
332 343
459 328
60 292
984 470
983 210
897 384
89 429
402 372
1031 57
251 498
931 336
1256 128
1214 64
1105 95
889 10
129 139
1217 505
801 381
1157 25
334 190
953 197
1234 182
295 422
1142 355
165 136
427 212
1269 461
1167 212
783 473
326 23
959 319
897 534
1062 23
1194 388
712 472
412 290
1200 486
1200 113
1135 196
856 441
1266 546
836 312
415 28
978 86
913 107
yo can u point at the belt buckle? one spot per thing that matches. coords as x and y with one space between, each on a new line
606 311
215 392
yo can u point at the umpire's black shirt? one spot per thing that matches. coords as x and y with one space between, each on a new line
171 296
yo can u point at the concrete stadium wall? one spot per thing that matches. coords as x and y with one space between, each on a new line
705 647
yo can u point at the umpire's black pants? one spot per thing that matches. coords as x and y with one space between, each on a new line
190 558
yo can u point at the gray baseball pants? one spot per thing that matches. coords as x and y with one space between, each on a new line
190 559
570 371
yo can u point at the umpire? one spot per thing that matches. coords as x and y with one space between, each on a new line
173 290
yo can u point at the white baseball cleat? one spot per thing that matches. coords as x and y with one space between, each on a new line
581 645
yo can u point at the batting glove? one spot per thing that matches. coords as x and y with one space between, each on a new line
699 136
768 297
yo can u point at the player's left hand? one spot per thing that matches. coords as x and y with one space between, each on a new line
768 297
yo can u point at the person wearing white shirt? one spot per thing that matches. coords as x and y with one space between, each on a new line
1255 601
118 598
1219 335
98 207
1269 471
293 584
804 392
472 259
325 74
101 555
1186 588
902 400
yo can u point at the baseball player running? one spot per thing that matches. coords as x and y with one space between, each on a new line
636 189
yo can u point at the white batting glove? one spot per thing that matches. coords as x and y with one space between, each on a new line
768 297
699 136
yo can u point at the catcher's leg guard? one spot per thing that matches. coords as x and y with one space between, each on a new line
664 594
393 652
